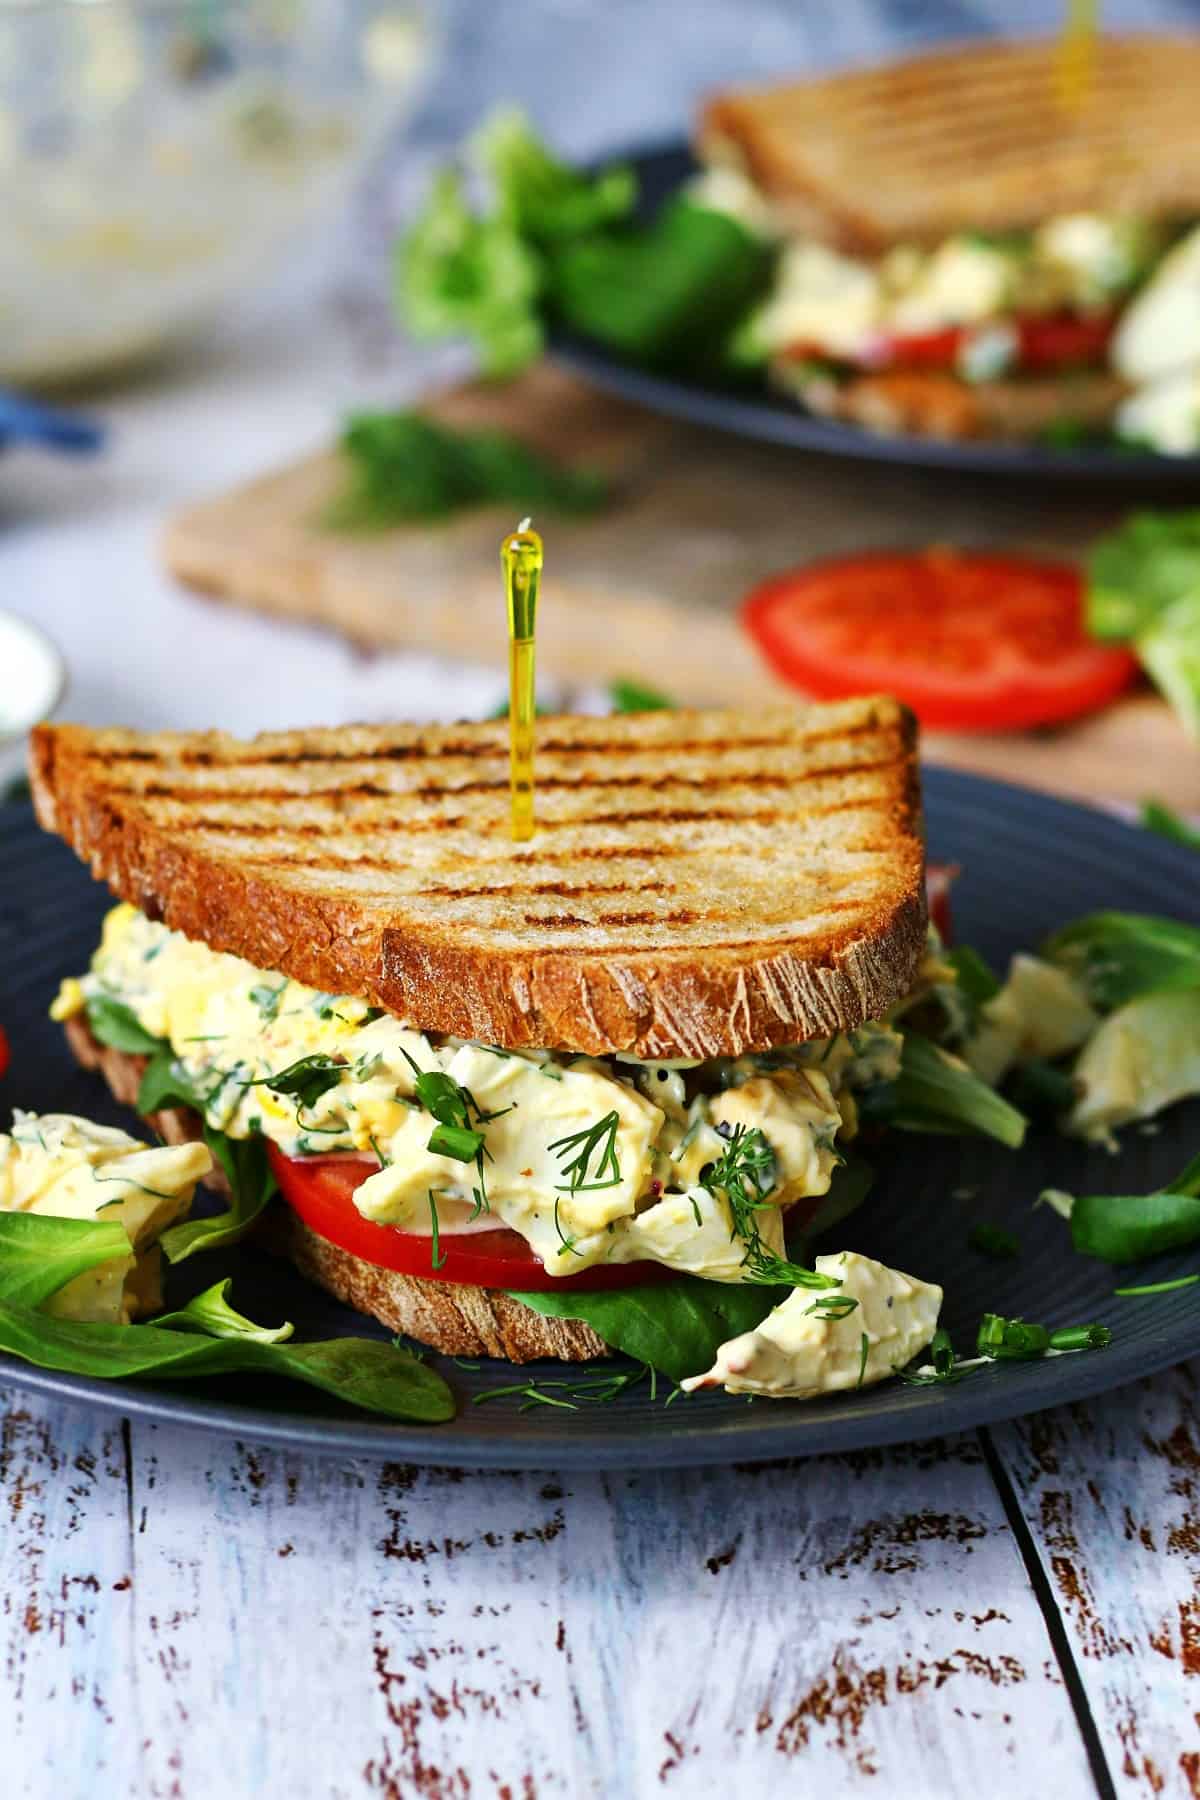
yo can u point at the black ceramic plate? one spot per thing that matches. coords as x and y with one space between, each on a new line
755 412
1029 863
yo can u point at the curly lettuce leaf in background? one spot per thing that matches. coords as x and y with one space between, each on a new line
555 245
1143 588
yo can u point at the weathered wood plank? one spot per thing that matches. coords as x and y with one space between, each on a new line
66 1605
317 1628
1111 1494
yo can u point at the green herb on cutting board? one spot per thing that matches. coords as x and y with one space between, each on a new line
402 466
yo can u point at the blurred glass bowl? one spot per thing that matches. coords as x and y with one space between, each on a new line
156 156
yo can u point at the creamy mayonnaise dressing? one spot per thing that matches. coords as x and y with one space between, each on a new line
639 1193
803 1348
69 1168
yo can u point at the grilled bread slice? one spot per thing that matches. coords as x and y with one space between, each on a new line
454 1318
700 883
976 138
936 404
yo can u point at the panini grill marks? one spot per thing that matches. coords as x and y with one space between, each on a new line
675 932
975 137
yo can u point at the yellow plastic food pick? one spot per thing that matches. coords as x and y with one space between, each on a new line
521 560
1077 53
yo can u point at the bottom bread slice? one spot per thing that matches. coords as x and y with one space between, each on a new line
448 1316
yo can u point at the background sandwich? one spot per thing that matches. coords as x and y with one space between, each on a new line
964 235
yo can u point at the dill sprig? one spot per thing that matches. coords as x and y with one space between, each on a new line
746 1174
597 1141
576 1391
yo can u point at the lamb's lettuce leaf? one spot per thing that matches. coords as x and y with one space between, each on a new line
167 1083
936 1093
677 1327
211 1314
40 1254
364 1372
1121 956
115 1025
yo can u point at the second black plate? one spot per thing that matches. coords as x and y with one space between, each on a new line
774 419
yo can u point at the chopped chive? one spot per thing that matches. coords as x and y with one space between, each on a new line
862 1360
1081 1337
941 1354
456 1141
436 1255
1158 1287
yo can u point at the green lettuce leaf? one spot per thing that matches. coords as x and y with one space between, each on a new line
461 275
934 1094
667 294
1169 649
364 1372
244 1161
211 1315
40 1254
1121 956
1133 573
851 1183
547 200
253 1184
677 1328
115 1025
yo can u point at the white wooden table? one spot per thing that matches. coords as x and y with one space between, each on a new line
1010 1612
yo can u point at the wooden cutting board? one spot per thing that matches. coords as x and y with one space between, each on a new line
649 587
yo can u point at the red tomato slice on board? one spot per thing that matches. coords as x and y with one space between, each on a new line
321 1189
972 642
4 1052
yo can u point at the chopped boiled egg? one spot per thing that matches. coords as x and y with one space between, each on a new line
811 1345
69 1168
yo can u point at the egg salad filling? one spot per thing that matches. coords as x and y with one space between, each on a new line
69 1168
592 1160
873 1322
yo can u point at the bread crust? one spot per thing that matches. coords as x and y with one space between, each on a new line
933 404
845 829
451 1317
973 136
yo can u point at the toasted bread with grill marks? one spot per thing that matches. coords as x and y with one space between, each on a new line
454 1318
700 883
936 404
974 138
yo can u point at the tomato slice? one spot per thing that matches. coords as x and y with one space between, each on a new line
1063 340
4 1052
321 1191
972 642
1045 342
939 879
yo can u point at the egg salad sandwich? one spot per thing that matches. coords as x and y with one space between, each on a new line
504 1088
964 233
